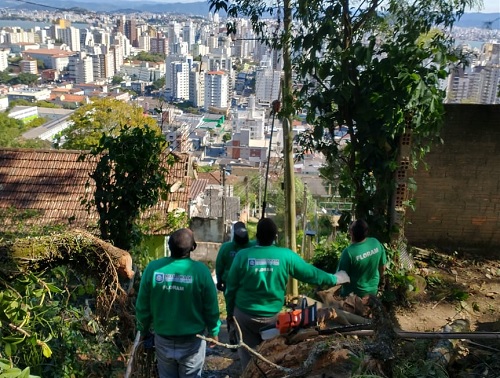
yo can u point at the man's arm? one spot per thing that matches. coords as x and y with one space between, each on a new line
142 306
308 273
232 285
210 306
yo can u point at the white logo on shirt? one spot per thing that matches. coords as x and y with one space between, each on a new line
365 255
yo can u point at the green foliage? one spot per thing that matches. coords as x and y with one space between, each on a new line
327 253
130 177
226 137
117 79
378 76
48 327
148 57
46 104
24 78
9 371
39 121
159 83
10 129
103 116
19 102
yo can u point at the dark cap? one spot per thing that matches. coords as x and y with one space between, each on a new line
240 233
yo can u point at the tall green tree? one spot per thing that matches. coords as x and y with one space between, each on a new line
103 116
373 67
130 177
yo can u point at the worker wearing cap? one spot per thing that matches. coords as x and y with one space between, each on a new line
257 281
228 251
178 300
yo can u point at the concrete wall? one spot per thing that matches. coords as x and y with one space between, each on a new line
458 197
206 252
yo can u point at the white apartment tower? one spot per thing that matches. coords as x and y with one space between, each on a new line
71 37
4 54
197 87
267 82
81 68
180 80
188 34
251 118
216 89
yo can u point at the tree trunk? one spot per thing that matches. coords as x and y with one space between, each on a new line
75 247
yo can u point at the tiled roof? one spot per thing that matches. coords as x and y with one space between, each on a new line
52 182
214 178
197 188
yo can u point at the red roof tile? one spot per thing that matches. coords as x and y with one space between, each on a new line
52 182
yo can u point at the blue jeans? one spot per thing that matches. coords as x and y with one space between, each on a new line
180 357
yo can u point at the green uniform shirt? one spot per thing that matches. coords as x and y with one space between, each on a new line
177 297
225 257
257 280
361 261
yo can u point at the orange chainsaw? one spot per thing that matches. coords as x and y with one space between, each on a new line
304 317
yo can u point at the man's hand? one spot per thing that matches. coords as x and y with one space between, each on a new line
212 344
342 277
148 340
221 286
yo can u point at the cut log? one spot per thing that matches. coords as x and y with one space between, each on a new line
444 351
76 247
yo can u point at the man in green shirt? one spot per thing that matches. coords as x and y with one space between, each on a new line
228 251
364 260
256 283
177 299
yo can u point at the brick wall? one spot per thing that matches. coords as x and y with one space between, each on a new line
458 197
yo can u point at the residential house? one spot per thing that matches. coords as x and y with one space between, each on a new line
52 183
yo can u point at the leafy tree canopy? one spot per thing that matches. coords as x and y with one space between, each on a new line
103 116
10 129
373 69
130 177
149 57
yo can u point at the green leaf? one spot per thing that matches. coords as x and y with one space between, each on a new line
8 350
46 351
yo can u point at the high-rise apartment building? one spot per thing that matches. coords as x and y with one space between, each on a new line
4 63
159 45
267 82
29 66
71 37
81 69
180 80
197 86
216 89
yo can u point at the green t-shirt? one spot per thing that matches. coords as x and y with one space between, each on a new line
361 261
225 257
177 297
257 281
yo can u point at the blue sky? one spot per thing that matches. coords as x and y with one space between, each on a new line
490 6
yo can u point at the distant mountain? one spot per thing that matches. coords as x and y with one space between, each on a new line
480 20
199 8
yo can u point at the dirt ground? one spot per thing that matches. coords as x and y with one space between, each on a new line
460 286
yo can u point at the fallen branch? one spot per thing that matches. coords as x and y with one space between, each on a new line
74 246
433 335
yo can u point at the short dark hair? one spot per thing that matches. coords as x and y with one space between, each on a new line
240 233
181 243
359 230
266 231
